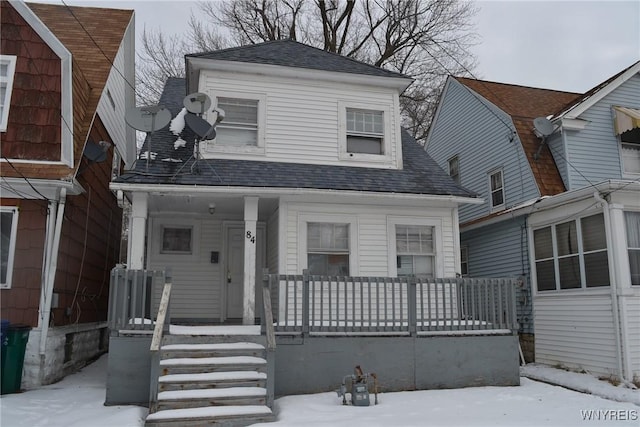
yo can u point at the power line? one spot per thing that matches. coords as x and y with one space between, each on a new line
42 196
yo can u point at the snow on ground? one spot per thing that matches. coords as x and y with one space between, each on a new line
77 401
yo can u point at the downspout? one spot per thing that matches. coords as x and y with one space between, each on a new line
613 276
51 274
46 256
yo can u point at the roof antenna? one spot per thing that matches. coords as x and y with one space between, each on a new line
542 128
148 119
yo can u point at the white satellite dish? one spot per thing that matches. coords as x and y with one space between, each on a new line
147 119
197 103
543 126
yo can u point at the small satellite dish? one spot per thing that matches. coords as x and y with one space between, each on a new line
543 126
148 119
197 103
200 126
96 153
220 114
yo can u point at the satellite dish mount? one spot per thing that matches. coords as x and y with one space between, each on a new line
148 119
542 128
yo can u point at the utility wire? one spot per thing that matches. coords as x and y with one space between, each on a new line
42 196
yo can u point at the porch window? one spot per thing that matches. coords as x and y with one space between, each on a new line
240 125
496 184
454 169
464 261
415 254
365 131
7 69
9 226
328 249
632 220
572 254
177 240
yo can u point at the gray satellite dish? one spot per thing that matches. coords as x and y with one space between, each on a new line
95 153
147 119
200 126
543 126
197 103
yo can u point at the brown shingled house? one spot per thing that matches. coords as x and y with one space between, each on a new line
66 76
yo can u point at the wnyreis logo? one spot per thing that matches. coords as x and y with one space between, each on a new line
609 414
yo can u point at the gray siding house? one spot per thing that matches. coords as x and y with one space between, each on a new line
561 212
312 226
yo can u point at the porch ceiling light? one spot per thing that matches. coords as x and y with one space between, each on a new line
212 208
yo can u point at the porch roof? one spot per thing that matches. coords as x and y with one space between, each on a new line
420 175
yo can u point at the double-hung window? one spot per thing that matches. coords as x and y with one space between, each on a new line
328 249
496 184
464 261
9 226
240 125
365 131
572 254
415 250
7 70
630 150
632 220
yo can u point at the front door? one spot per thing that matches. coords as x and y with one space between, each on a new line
235 272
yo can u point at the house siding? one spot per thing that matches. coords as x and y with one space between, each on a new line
501 250
558 150
594 152
298 130
633 331
482 145
576 331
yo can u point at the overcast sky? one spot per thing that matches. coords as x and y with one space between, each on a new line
562 45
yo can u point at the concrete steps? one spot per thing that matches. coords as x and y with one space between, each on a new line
211 381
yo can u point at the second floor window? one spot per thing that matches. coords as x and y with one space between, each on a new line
630 149
328 249
7 69
365 131
454 169
496 183
240 125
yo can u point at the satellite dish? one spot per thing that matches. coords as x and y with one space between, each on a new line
197 103
200 126
220 114
543 126
147 119
96 153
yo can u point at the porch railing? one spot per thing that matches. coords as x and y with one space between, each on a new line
132 298
383 305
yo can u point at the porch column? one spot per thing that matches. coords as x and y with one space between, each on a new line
137 231
249 288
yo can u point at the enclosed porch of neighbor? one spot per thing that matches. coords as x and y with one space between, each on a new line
414 333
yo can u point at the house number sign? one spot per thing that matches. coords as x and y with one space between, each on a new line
251 237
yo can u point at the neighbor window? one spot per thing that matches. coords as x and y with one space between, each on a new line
632 220
572 254
328 249
415 250
365 131
454 169
177 240
9 226
630 150
7 69
240 124
496 183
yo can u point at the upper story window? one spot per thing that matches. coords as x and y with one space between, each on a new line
571 254
630 150
496 184
365 131
7 70
415 250
9 227
328 249
240 125
454 169
632 220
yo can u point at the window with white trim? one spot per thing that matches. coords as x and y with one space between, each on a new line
415 250
328 249
7 70
240 125
630 151
9 228
632 220
464 261
454 169
572 254
496 187
177 240
365 131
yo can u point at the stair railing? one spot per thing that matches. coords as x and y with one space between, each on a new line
161 327
268 329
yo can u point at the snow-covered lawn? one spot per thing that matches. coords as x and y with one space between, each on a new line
77 401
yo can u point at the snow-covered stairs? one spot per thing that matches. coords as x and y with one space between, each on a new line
211 381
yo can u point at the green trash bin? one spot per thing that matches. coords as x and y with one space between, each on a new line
13 358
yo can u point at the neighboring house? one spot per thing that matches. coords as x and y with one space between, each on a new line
63 95
562 210
309 171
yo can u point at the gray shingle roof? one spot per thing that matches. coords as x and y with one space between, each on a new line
290 53
421 174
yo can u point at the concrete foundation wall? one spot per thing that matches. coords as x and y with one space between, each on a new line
129 370
67 349
318 364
